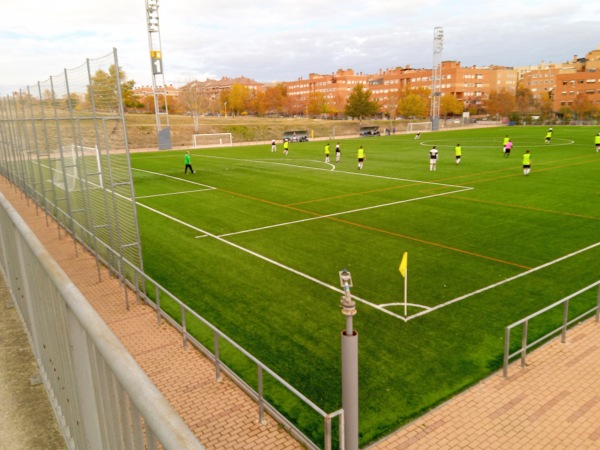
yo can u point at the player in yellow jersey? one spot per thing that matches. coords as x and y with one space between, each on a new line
361 157
526 163
458 153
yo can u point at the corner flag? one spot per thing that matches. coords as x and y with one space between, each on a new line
404 264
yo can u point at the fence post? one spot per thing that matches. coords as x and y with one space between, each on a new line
506 351
563 337
524 343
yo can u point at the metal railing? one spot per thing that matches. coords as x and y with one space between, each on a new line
562 329
101 397
152 293
149 291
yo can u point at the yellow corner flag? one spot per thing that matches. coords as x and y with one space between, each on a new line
404 264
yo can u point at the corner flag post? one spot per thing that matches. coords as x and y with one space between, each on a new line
404 271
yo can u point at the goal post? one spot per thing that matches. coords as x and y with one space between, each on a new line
213 139
419 126
77 162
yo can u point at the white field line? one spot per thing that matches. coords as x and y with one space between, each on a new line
174 193
269 260
325 216
361 174
491 286
176 178
301 274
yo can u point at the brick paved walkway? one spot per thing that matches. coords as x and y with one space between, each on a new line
554 403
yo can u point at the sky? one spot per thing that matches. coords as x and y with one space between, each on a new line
284 40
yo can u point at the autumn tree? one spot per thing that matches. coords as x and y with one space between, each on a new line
105 89
582 106
501 103
525 101
194 101
237 99
317 104
276 100
546 105
450 106
414 103
359 103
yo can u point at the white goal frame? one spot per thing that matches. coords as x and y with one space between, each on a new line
419 126
70 158
214 139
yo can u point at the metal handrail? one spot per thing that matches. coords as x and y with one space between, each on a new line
142 278
525 345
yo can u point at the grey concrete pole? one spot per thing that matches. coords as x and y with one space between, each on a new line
349 367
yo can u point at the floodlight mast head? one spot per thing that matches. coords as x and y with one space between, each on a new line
348 305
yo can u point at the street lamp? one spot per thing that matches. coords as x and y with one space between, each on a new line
349 365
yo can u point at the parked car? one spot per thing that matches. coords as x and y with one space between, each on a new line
369 131
296 136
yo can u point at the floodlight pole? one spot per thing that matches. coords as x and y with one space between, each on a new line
349 366
436 77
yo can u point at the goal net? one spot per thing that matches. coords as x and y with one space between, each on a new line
213 139
419 126
76 162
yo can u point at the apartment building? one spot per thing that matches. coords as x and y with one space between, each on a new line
471 85
335 87
581 76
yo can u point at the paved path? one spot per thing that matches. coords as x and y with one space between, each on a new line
554 403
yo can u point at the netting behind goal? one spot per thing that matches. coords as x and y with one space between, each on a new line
77 163
419 126
213 139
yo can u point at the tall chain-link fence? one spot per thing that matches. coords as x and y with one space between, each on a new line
63 141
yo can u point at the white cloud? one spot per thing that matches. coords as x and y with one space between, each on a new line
287 39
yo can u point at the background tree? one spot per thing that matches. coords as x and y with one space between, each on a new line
450 106
238 99
546 105
582 106
414 103
525 101
194 101
276 99
500 103
317 104
359 103
104 85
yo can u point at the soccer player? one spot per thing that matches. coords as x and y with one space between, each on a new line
361 157
418 135
549 135
273 146
327 152
526 163
458 153
338 152
187 160
507 148
433 155
504 142
597 140
286 146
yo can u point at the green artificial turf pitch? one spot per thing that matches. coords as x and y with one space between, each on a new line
254 241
